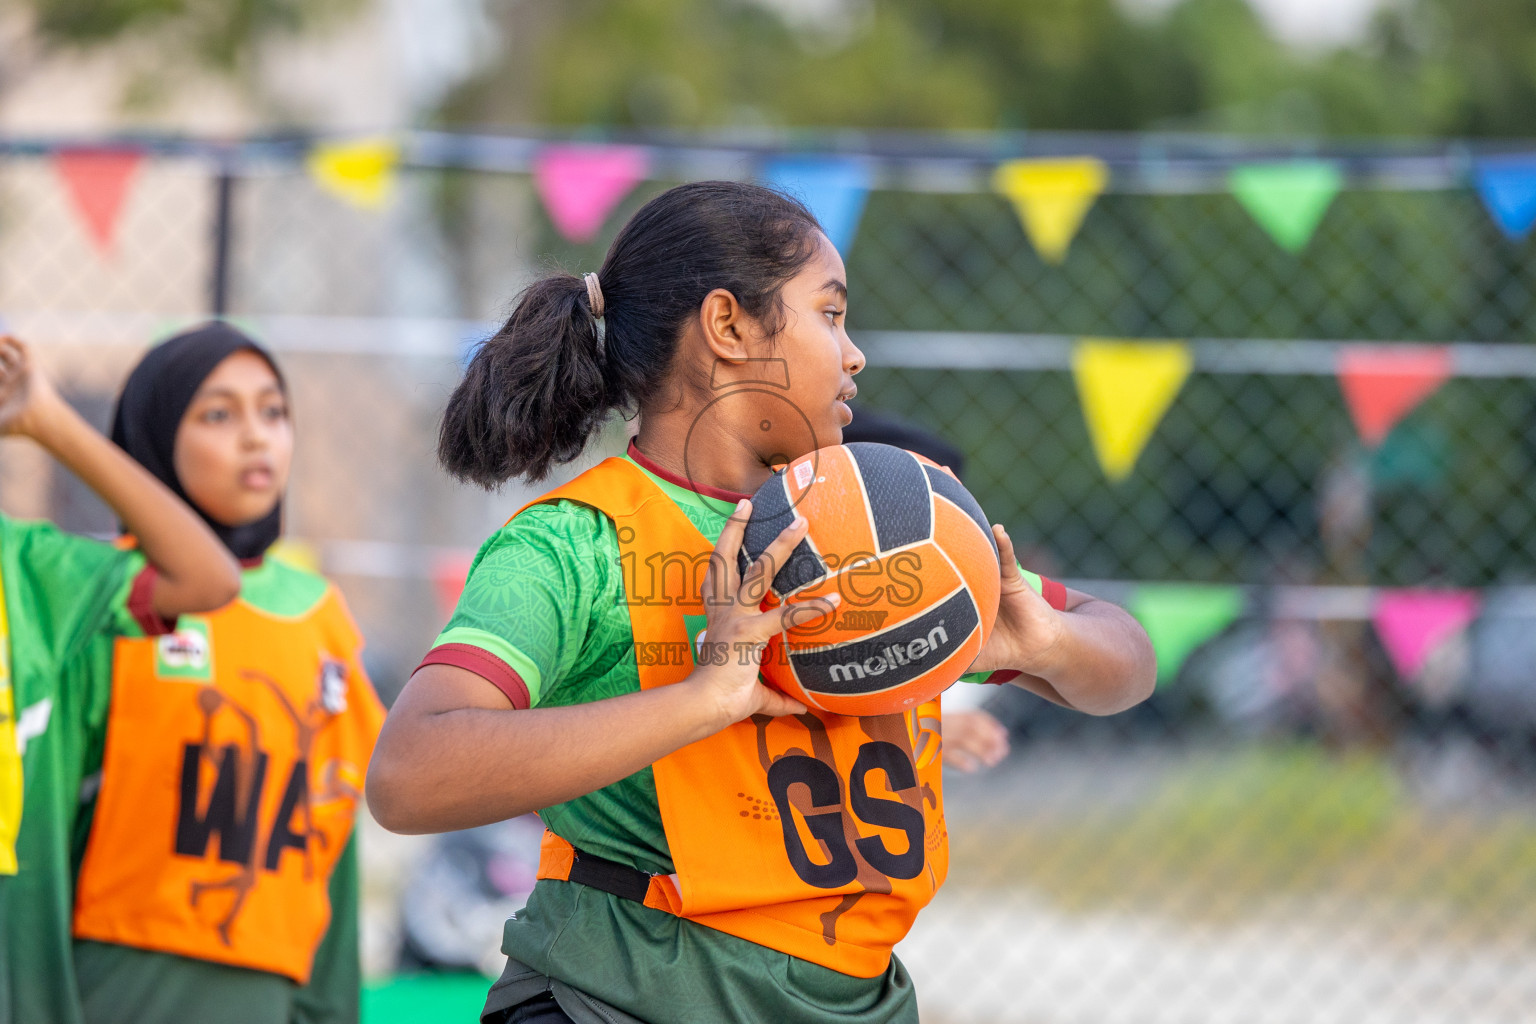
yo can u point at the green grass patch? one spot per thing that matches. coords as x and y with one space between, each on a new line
413 998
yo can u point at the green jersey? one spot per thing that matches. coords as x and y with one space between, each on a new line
61 594
56 980
543 616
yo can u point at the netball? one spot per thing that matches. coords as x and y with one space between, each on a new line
910 552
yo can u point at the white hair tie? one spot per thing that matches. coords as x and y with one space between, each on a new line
595 303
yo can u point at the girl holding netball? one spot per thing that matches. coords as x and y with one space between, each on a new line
716 852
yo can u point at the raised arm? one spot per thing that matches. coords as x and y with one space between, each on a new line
1092 657
194 571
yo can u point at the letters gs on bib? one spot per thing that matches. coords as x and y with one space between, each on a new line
827 826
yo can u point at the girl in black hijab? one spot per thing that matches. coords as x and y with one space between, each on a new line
155 400
218 880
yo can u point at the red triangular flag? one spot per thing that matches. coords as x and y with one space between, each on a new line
97 181
1382 385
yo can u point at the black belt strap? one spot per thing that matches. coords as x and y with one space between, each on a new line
610 876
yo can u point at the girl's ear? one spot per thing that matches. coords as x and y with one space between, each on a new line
724 324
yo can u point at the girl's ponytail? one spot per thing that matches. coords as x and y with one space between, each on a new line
534 392
573 350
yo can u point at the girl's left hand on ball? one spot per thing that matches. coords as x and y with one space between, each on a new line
1028 629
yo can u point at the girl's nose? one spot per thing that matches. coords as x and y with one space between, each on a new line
255 433
855 359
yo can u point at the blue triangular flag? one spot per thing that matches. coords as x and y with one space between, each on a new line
833 187
1508 187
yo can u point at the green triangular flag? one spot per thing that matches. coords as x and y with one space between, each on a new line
1288 200
1180 617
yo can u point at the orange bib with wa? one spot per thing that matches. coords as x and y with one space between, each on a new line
816 835
235 754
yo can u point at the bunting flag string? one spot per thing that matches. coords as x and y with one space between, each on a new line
1125 388
1180 617
1382 384
1414 623
835 189
1507 186
97 182
360 172
581 185
1288 200
1052 197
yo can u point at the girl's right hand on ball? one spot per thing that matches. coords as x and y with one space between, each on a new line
736 631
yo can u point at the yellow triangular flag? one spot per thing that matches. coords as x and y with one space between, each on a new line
362 172
1125 387
1052 197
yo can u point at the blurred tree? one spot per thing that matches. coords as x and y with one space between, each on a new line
1432 67
1441 67
950 64
220 34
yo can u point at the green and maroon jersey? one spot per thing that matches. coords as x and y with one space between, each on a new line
543 617
61 593
52 978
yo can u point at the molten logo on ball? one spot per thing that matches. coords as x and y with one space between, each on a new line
892 657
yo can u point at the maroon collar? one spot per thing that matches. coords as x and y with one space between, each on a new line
718 493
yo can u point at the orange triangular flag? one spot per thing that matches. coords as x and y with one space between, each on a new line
1382 385
97 182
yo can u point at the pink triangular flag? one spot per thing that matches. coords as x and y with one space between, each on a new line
1382 385
97 182
1412 623
580 185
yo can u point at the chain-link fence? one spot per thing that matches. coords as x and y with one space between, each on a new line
1320 816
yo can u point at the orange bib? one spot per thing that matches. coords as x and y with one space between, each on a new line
816 835
234 761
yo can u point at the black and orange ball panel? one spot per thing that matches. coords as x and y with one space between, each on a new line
911 553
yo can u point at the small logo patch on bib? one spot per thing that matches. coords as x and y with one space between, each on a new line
186 654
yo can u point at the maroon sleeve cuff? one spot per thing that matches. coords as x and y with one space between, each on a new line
1055 595
141 604
483 664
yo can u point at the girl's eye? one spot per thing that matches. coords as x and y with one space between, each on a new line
215 416
275 413
836 314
